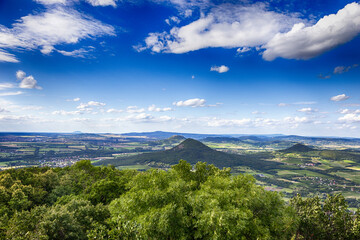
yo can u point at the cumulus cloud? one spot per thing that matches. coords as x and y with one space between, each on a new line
76 99
303 42
44 30
20 74
338 98
153 108
220 69
227 26
27 82
350 118
195 102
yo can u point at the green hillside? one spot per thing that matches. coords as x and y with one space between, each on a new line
299 148
193 151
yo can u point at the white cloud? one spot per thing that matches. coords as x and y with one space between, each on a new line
79 53
188 13
347 111
243 50
20 75
134 109
172 19
113 110
227 26
338 98
87 107
350 118
27 82
294 122
102 3
95 3
66 113
307 110
96 104
3 94
7 57
76 99
44 30
49 2
220 69
303 42
6 86
283 104
195 102
153 108
47 50
216 122
139 117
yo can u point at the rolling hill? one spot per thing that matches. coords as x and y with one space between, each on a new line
193 151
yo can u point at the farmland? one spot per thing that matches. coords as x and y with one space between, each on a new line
330 166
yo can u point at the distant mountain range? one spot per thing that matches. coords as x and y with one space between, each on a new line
164 135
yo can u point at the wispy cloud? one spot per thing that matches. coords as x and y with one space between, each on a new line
6 86
3 94
56 25
79 53
307 110
134 109
344 69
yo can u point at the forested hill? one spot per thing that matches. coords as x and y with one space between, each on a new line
193 151
186 202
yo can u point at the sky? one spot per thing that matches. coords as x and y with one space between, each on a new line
200 66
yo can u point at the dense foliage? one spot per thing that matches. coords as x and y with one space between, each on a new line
186 202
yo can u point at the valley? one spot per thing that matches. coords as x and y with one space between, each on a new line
287 164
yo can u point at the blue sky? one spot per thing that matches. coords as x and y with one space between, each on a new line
204 66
